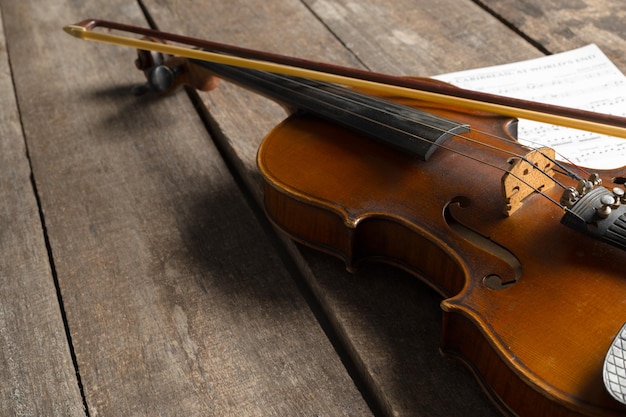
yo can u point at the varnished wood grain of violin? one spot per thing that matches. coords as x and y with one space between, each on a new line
545 336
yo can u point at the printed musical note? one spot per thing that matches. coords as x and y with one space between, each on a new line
583 78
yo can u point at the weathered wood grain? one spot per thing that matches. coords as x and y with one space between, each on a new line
421 38
176 301
36 370
389 322
562 25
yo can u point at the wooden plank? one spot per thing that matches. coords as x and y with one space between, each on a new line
36 369
421 38
389 322
561 26
176 300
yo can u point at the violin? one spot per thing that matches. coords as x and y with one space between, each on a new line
527 250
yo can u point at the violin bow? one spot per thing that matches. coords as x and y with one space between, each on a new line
384 84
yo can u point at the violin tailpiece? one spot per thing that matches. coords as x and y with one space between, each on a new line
598 212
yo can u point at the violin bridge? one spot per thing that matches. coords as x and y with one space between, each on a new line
527 174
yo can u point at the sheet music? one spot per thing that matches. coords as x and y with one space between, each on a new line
583 78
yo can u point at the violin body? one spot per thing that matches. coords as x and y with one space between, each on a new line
530 305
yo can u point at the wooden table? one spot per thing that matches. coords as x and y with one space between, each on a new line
139 276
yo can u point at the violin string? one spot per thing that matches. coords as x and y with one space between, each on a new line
464 137
81 33
567 171
442 146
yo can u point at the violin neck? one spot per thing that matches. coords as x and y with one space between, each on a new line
401 127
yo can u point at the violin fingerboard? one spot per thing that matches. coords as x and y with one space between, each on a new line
402 127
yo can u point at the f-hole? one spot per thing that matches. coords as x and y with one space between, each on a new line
492 281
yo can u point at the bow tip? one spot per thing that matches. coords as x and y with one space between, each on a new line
74 30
